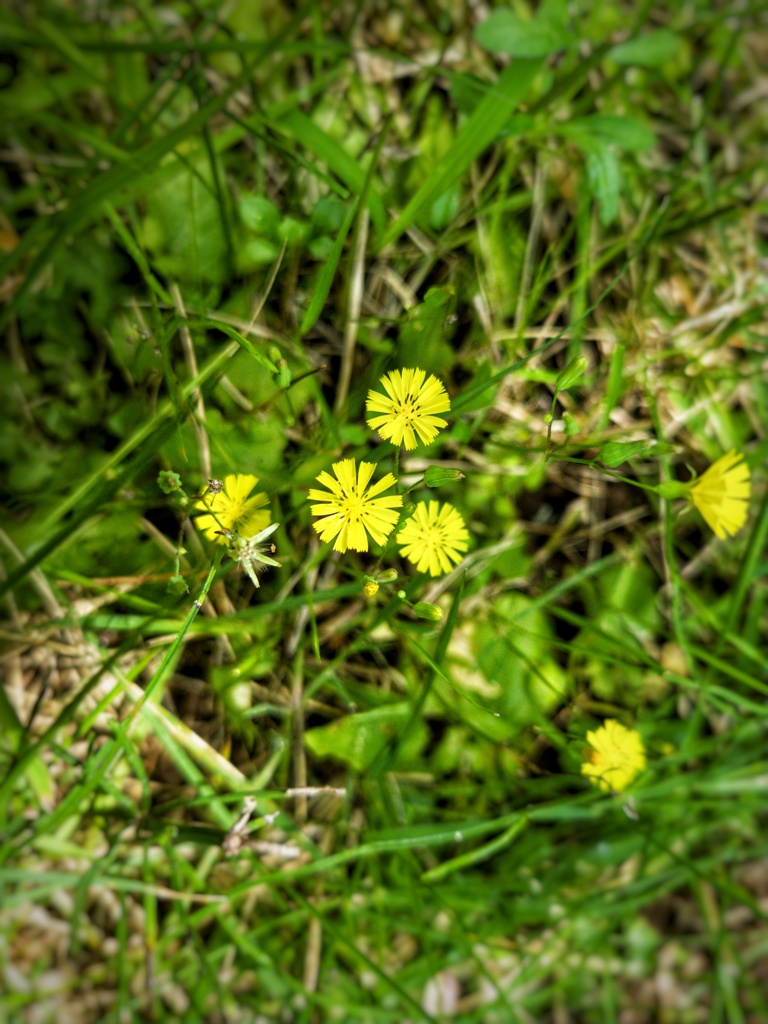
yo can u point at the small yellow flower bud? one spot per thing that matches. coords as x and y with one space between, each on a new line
371 588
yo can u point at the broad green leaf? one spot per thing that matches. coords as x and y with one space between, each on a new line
506 32
648 51
508 667
259 215
183 230
359 739
479 131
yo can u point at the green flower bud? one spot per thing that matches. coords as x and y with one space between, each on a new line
168 482
388 576
436 476
409 507
283 376
428 611
177 585
571 373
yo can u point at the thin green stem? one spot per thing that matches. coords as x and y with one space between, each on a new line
608 472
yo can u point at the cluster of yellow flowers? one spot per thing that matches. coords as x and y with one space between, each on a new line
350 507
434 536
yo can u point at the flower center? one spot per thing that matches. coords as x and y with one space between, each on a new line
408 409
353 505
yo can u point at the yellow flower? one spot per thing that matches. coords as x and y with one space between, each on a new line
434 537
349 510
233 509
618 756
722 494
408 408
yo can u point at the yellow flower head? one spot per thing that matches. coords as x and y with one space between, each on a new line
722 494
348 510
408 408
618 756
434 537
233 509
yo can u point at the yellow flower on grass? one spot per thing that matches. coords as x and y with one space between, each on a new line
408 408
347 510
618 756
434 537
722 494
233 509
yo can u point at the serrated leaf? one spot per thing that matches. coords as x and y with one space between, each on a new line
506 32
648 51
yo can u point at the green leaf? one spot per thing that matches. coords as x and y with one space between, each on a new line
423 335
326 275
604 176
479 131
511 666
506 32
571 374
304 130
616 452
627 133
648 51
359 739
13 735
259 215
445 208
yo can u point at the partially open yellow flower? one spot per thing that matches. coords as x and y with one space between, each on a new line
722 494
617 758
233 509
434 537
408 408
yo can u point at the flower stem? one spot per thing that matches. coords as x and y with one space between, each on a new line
551 420
172 651
608 472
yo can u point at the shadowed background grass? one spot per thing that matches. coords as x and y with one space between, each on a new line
221 224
